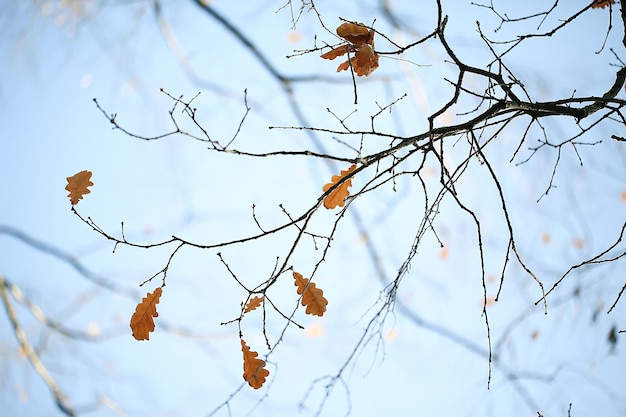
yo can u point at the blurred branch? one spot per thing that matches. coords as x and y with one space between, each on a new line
66 258
182 57
245 41
83 271
62 402
40 315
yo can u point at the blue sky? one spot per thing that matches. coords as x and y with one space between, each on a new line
51 129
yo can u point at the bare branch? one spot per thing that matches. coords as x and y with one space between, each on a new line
60 398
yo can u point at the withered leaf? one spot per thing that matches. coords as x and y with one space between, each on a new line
141 321
601 4
253 304
364 62
77 186
337 197
355 33
361 42
313 298
254 372
334 53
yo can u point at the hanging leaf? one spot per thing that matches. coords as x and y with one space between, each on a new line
364 62
253 304
355 33
334 53
141 321
601 4
337 197
313 298
77 186
361 42
254 372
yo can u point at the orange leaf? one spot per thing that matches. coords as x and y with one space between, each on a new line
366 61
253 304
334 53
313 298
254 372
361 41
337 197
345 65
355 33
601 4
141 322
77 186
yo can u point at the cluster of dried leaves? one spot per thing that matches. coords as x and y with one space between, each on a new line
362 60
254 371
360 41
142 324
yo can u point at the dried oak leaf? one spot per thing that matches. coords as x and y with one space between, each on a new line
253 304
141 321
364 62
337 197
254 372
313 298
601 4
361 42
334 53
77 186
355 33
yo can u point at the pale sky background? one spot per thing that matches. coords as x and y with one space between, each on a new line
53 64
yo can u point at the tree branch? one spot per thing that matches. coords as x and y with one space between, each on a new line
61 400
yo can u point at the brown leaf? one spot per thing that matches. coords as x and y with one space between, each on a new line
355 33
141 321
601 4
313 298
337 197
334 53
254 372
345 65
365 60
253 304
361 42
77 186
